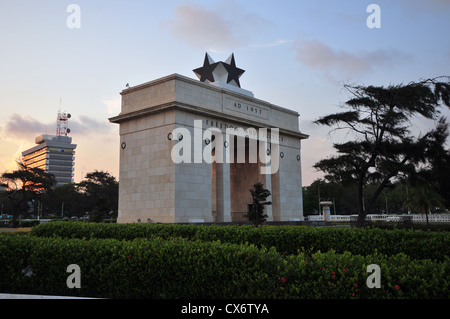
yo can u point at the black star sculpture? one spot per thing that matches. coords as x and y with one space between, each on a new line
206 71
234 73
209 71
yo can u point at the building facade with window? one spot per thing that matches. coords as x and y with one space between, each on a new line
55 155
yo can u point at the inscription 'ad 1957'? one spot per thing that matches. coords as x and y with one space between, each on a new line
247 108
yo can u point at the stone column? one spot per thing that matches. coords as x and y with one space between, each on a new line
223 201
266 179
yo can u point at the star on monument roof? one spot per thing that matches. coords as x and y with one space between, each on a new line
206 71
220 71
234 73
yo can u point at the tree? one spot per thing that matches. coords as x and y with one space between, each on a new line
101 192
26 184
316 192
65 200
256 212
383 147
423 200
424 195
439 172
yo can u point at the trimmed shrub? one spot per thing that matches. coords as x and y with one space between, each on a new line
180 268
140 268
29 223
285 239
331 275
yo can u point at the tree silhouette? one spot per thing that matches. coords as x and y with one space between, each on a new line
423 200
256 213
26 184
383 147
101 191
424 193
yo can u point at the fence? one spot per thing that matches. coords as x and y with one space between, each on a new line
445 218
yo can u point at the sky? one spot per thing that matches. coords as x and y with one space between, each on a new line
297 54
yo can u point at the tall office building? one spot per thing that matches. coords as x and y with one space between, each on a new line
54 154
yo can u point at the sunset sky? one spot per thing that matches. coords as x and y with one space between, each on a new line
297 54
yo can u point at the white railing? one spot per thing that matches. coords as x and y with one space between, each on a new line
445 218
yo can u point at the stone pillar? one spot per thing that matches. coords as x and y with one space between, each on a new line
326 209
223 203
290 183
266 179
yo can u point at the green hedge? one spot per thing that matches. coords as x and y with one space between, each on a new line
180 268
29 223
286 239
432 226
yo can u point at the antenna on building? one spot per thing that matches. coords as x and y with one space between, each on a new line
61 123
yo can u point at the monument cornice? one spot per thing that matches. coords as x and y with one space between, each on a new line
200 111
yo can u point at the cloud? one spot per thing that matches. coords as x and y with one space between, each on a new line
202 27
226 26
113 106
25 128
272 44
318 146
87 125
9 163
318 55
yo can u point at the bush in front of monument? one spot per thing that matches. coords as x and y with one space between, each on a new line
287 240
192 261
141 268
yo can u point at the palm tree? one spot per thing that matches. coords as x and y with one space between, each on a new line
423 199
